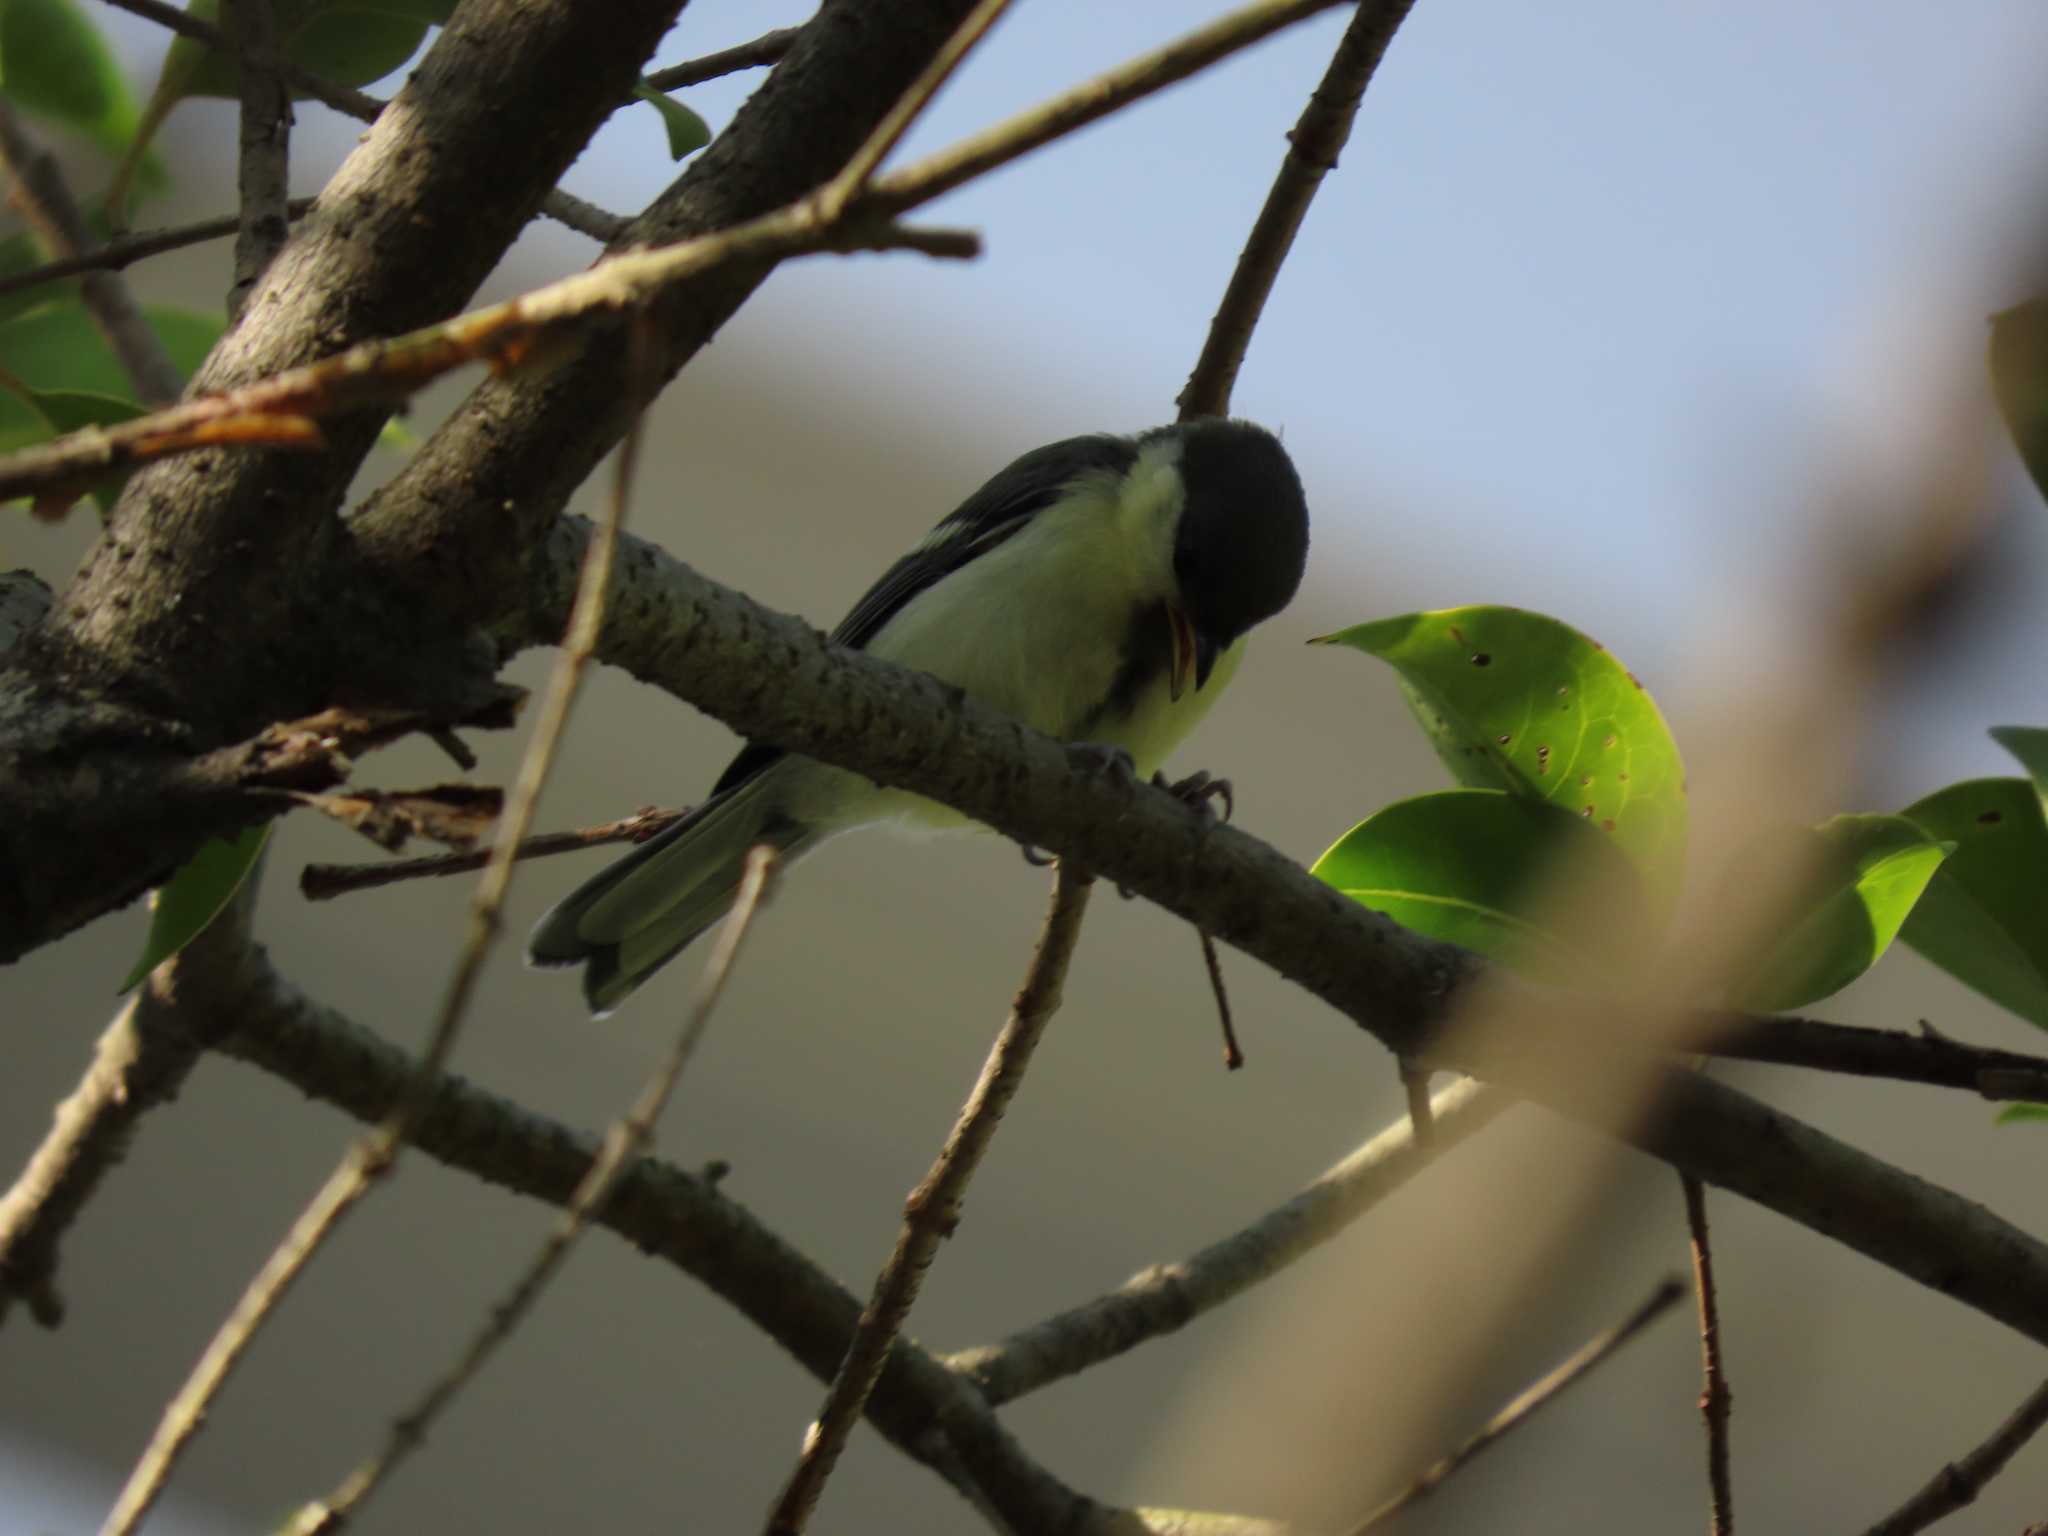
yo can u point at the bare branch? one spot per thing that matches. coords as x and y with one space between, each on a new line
1537 1395
1959 1483
924 1409
1312 151
141 1062
933 1209
264 168
283 410
911 732
45 199
125 250
763 51
1715 1398
1167 1297
323 882
623 1143
373 1156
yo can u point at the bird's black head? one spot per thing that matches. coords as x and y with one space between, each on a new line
1243 537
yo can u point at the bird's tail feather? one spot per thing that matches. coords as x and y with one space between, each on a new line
627 921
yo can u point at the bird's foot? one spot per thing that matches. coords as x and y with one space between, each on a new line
1197 790
1112 762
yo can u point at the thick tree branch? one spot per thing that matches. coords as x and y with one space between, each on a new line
925 1410
777 679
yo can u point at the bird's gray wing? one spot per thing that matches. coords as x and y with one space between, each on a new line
984 520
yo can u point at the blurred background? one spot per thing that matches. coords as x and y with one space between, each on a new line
1599 306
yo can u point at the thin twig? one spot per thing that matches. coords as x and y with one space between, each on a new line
557 205
125 250
1715 1398
1312 149
1166 1297
1233 1054
1092 100
859 170
323 882
1925 1057
1523 1406
623 1144
45 199
1421 1115
763 51
933 1209
263 169
372 1156
141 1061
1960 1482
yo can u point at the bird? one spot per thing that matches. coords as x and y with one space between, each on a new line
1099 589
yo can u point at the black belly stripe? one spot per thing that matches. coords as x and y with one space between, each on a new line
1147 657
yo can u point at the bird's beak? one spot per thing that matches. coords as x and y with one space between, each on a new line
1194 654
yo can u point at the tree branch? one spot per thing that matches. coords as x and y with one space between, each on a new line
263 170
1167 1297
1539 1394
141 1062
775 678
763 51
125 250
323 882
622 1146
933 1209
1959 1483
1715 1398
1312 150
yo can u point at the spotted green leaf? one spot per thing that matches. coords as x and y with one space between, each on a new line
2013 1114
194 897
1517 701
1985 917
1488 870
1862 876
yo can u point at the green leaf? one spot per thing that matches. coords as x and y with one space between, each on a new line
1863 876
348 42
57 346
53 61
20 253
2013 1114
2019 379
195 896
1985 918
1478 866
687 132
2030 745
1517 701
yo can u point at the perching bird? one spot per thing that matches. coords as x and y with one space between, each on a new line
1098 589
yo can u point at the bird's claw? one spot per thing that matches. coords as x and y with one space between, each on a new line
1111 761
1036 857
1197 790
